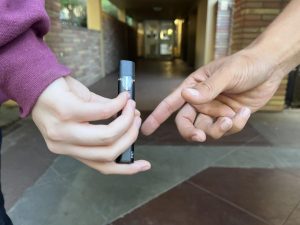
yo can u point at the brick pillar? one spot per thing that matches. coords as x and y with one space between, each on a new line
53 9
224 13
250 18
77 48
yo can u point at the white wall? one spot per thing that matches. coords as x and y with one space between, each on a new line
205 34
201 33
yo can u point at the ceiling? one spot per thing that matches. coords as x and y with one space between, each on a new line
144 9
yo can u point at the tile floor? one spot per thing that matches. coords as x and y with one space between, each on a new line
252 178
225 196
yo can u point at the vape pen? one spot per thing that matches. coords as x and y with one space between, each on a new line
126 82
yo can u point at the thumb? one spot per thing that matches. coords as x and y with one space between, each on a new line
207 90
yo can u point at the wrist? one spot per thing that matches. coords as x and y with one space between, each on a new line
284 56
264 60
280 42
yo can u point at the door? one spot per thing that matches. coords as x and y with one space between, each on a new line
159 38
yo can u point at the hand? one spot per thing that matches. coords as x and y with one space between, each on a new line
63 112
224 93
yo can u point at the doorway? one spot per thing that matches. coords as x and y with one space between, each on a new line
159 39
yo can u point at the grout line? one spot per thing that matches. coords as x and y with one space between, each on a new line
157 195
237 148
229 202
284 170
213 163
291 213
249 141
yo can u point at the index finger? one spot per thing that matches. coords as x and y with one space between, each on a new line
70 107
163 111
171 103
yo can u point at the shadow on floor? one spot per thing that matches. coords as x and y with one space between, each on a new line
168 134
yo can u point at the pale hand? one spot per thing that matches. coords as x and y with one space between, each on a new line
218 98
62 114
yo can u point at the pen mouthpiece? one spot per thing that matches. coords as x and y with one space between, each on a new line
127 68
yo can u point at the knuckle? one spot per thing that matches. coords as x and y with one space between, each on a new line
168 106
63 113
177 118
198 123
52 147
105 113
110 156
209 88
136 134
178 122
109 138
220 111
53 134
133 133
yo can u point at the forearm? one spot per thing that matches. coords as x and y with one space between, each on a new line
281 40
27 65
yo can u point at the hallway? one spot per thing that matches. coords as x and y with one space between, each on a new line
20 136
155 79
251 178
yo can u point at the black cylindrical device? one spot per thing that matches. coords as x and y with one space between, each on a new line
126 82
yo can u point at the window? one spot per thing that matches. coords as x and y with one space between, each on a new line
73 12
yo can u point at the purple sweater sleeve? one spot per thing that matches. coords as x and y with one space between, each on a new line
27 65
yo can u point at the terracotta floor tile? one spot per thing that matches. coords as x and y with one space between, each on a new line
294 219
294 171
271 194
187 205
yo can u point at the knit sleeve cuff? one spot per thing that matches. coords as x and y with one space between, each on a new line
28 66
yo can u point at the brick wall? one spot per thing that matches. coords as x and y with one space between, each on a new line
223 27
119 42
77 48
114 41
80 49
250 18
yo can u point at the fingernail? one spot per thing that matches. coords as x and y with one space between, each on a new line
138 122
132 103
142 165
245 112
137 113
197 138
193 92
146 167
225 124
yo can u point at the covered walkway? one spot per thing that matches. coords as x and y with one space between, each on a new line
249 178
